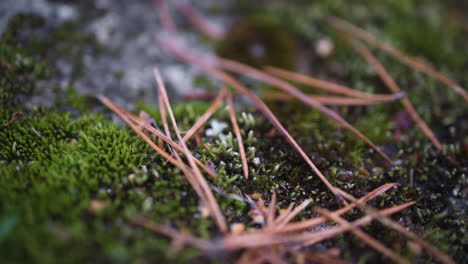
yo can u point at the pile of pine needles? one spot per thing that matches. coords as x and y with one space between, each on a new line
278 235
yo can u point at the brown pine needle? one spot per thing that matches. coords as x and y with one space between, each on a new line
271 212
202 120
441 256
205 95
391 84
198 21
414 63
257 101
163 114
174 234
362 221
237 132
336 100
264 77
322 84
163 153
372 242
290 216
161 136
263 238
284 214
211 202
302 225
166 19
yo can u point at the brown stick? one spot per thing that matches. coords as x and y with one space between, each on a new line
350 29
237 132
257 101
213 206
252 72
390 83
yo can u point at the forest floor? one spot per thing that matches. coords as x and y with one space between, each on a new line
74 177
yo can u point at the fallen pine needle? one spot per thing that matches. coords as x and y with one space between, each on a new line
161 136
336 100
163 153
211 202
271 212
321 84
257 101
290 216
197 20
350 29
302 225
202 120
441 256
391 84
237 132
166 19
372 242
264 77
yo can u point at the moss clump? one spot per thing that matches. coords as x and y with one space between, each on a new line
260 41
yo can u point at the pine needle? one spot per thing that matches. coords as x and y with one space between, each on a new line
211 203
306 224
391 84
290 216
264 77
202 120
336 100
237 132
372 242
352 30
163 153
198 21
161 136
257 101
166 19
441 256
322 84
